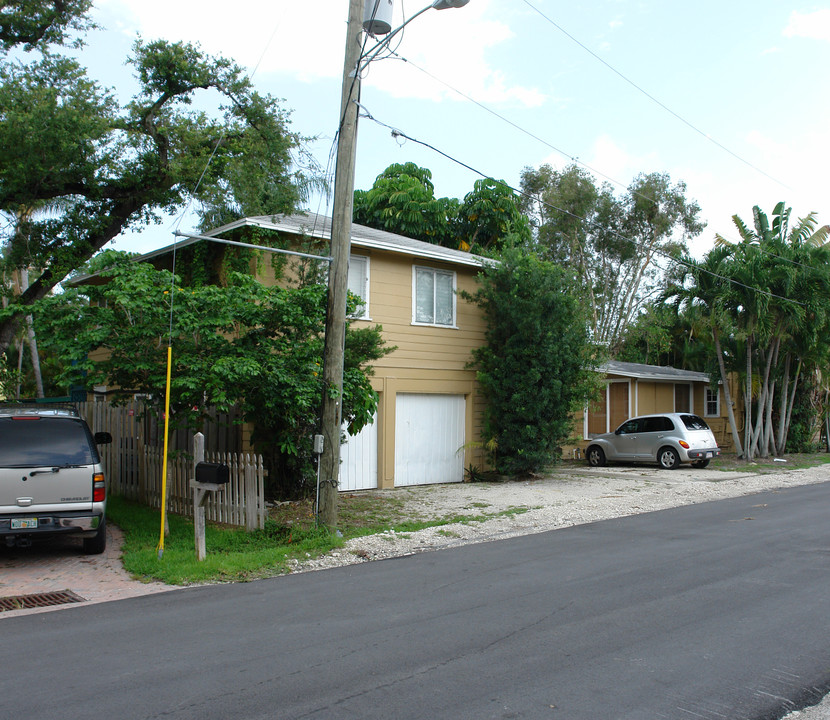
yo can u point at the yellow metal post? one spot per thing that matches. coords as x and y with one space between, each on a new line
164 465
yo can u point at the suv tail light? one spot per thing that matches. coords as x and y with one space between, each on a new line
683 444
99 488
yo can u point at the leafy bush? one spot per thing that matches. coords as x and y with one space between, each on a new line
535 368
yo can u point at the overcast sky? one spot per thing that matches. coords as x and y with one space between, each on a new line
730 97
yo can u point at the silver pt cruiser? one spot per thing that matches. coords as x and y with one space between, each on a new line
667 439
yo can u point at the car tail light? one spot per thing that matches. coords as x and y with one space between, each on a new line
99 488
683 444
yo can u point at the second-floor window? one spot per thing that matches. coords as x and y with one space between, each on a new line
434 297
359 282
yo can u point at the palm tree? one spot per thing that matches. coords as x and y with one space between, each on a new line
699 286
779 280
15 256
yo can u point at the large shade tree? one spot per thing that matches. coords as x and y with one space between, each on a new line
108 166
31 23
402 200
614 243
241 344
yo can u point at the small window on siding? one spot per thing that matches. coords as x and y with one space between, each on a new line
712 406
359 283
433 297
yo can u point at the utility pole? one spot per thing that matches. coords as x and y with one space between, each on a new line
341 235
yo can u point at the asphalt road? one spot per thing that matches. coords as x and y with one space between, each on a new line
718 610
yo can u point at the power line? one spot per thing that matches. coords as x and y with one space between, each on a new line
397 133
654 99
548 144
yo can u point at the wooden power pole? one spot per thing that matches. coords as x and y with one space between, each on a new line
341 232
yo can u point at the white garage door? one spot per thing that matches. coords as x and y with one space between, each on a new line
429 439
359 459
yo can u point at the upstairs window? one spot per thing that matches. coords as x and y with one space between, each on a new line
359 283
434 297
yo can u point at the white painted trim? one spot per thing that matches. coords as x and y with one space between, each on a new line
689 385
435 271
706 412
366 315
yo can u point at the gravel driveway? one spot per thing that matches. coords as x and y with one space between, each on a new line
574 496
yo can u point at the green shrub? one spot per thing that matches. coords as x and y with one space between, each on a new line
535 368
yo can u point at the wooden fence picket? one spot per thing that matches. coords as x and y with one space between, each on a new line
134 470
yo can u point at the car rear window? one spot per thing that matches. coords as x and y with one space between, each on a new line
45 441
693 422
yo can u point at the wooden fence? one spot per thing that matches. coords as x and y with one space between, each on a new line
134 470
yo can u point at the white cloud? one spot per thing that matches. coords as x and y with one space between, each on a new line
305 40
616 164
302 38
815 25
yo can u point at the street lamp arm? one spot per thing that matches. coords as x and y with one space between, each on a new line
373 52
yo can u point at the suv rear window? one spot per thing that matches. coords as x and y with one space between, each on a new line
693 422
45 441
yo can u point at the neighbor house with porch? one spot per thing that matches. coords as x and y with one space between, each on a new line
632 389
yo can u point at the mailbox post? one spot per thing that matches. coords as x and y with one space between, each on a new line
210 477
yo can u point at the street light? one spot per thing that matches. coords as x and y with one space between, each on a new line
377 23
341 232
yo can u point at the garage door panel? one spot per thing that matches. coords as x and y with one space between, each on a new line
359 459
429 438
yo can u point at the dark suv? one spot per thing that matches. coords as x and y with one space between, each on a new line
51 479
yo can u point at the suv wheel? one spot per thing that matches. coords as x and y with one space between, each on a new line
700 464
96 545
668 458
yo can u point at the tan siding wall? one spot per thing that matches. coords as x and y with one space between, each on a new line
654 397
426 359
657 397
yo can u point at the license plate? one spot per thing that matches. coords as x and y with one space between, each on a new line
24 523
709 455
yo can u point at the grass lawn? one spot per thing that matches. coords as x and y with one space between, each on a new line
236 556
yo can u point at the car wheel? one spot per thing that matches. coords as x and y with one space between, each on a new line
700 464
97 544
668 458
595 455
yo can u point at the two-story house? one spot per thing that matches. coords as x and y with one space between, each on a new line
428 424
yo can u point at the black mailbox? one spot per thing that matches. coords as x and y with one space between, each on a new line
215 473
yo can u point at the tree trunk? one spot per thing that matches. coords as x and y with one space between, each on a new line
748 402
30 331
791 403
782 411
827 422
769 435
759 441
19 369
727 395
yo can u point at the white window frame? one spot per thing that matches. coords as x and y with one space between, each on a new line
363 260
435 272
691 409
706 397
